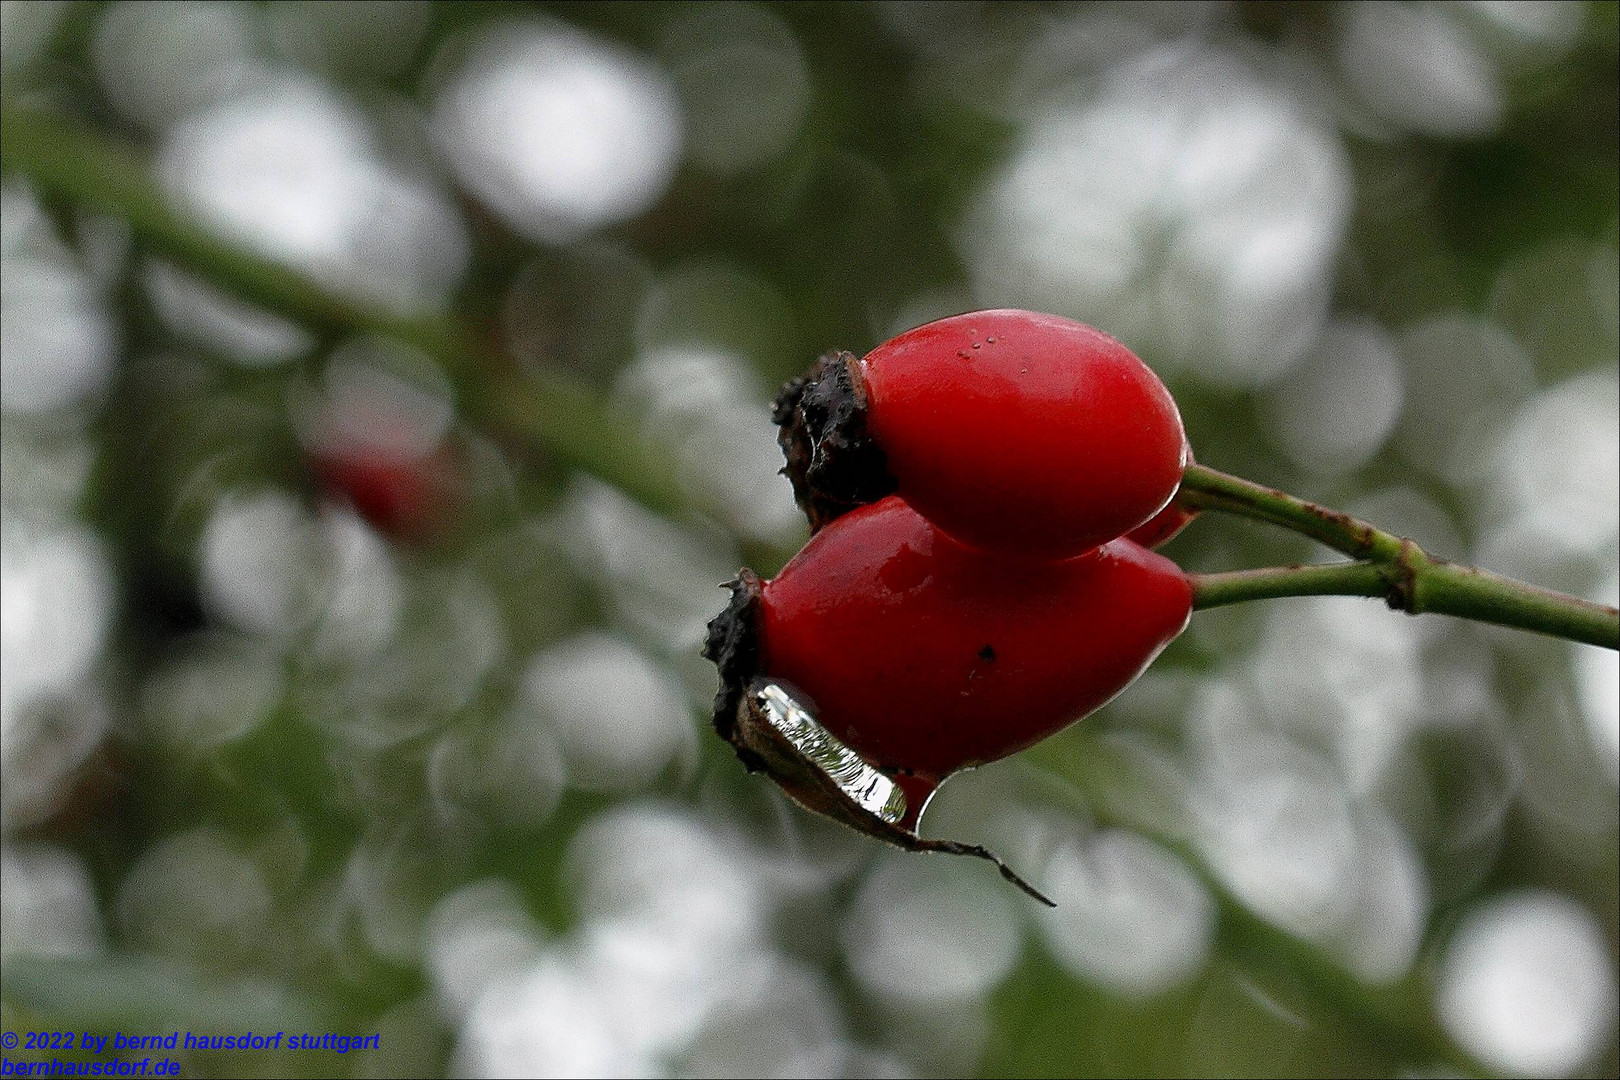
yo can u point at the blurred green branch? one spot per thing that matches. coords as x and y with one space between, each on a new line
64 158
121 991
1407 577
1395 1017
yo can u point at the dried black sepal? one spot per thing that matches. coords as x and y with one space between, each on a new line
732 644
833 461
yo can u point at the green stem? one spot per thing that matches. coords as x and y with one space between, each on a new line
1274 582
1211 489
1407 577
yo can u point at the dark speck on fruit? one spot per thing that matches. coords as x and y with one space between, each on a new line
987 654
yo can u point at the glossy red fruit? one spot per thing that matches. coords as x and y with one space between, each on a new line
926 656
1167 523
1010 430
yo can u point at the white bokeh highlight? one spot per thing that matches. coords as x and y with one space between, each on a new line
1463 375
1597 684
670 962
1548 25
559 132
238 331
25 27
931 930
619 717
1557 467
1130 916
256 555
1280 826
1528 984
291 169
743 82
702 405
57 339
474 936
1421 67
1198 227
1332 413
56 595
214 690
544 1021
377 399
158 62
662 578
47 903
225 906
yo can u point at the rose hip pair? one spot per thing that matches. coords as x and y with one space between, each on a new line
970 588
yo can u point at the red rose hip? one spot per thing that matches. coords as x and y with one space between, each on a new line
1010 430
927 656
1167 523
919 655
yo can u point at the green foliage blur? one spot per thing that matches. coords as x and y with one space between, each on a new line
339 699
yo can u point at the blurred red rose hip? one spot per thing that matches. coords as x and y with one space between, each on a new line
404 498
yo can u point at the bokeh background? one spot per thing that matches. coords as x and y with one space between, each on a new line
335 699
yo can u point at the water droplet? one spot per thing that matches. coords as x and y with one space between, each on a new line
869 789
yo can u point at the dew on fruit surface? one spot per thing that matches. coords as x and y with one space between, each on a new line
869 789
